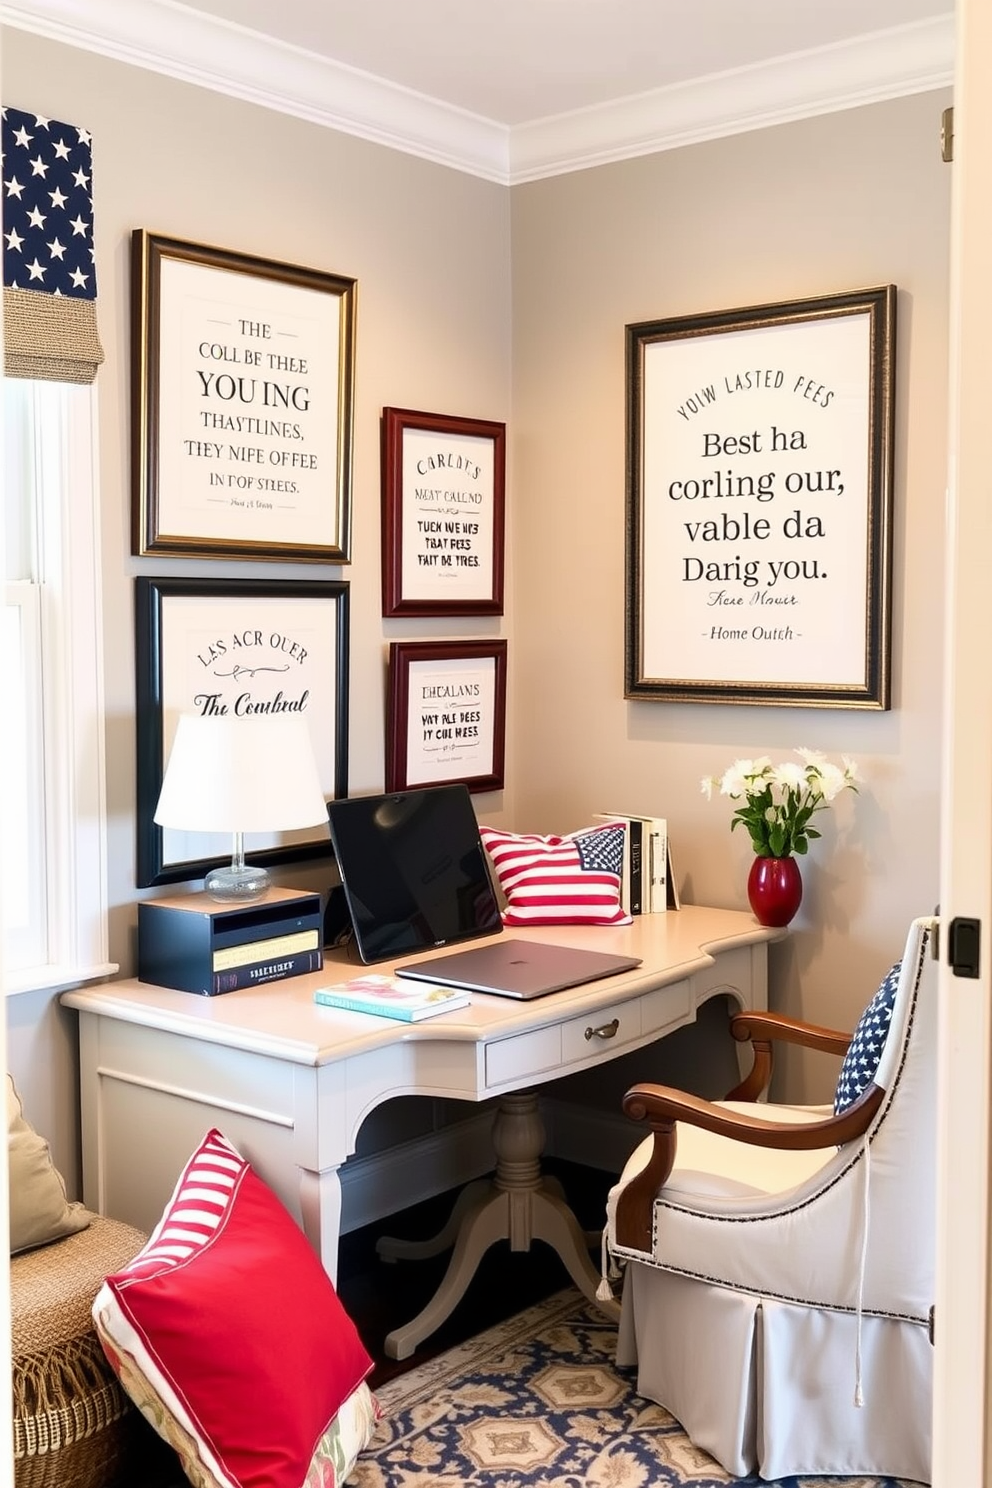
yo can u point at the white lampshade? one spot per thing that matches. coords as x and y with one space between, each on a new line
255 774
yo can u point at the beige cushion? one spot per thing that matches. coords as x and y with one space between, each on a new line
39 1210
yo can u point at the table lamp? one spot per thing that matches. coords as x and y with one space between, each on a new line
238 775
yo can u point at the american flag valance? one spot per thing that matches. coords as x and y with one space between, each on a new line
49 269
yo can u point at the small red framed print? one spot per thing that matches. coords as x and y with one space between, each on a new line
446 714
443 488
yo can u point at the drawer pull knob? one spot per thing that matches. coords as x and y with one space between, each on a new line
606 1031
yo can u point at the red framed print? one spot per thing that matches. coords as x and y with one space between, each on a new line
443 487
446 714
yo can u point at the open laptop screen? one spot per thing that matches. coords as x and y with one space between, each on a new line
413 869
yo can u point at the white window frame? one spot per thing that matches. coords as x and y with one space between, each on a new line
27 871
73 745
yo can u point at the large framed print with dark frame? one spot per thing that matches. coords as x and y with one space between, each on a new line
446 714
759 500
242 405
443 487
240 647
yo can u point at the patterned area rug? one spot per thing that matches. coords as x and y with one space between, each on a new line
537 1402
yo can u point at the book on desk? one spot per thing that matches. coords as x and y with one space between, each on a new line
648 882
390 997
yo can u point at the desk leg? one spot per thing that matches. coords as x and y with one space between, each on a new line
320 1205
389 1248
518 1205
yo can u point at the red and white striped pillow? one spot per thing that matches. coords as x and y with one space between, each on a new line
572 880
228 1335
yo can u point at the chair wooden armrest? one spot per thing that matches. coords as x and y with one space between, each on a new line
762 1030
661 1106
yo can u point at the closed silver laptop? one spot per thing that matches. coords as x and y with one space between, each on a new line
518 968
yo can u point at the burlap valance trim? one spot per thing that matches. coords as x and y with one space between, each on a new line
50 337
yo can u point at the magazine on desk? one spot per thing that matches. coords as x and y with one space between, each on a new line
389 997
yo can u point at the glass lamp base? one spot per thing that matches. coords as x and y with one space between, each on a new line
237 885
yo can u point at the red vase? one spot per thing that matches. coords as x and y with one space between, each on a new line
774 890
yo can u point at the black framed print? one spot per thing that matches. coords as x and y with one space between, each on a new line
446 714
759 500
443 489
237 647
242 405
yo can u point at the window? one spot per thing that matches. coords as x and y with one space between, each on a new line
54 893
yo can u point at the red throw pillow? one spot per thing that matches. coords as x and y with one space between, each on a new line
229 1336
573 880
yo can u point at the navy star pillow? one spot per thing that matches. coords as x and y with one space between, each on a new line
861 1059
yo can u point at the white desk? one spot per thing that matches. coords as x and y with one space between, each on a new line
290 1083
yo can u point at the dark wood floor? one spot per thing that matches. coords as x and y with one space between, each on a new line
380 1295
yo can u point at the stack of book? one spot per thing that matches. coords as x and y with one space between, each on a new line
261 961
648 885
391 997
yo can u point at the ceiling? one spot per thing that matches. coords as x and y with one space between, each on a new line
514 61
521 88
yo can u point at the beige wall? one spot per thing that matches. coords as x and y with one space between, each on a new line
835 203
430 250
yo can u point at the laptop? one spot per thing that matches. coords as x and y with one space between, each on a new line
519 968
413 871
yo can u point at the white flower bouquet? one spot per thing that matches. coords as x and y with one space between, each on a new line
778 801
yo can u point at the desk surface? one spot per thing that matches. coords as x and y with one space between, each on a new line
290 1082
281 1018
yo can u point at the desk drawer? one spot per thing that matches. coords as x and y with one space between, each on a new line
580 1040
564 1046
525 1054
667 1008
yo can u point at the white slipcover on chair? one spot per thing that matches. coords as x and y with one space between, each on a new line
776 1299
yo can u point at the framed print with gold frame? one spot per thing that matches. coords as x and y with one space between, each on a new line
759 499
242 405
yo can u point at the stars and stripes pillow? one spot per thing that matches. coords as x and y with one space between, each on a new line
867 1043
228 1335
572 880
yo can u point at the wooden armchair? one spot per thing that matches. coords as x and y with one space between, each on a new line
778 1260
661 1107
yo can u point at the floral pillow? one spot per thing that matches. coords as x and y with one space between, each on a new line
229 1337
573 880
867 1043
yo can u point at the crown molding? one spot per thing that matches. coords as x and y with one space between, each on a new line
871 69
179 41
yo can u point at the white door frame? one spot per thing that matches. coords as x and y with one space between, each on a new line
961 1395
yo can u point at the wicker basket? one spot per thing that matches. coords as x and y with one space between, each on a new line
73 1425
